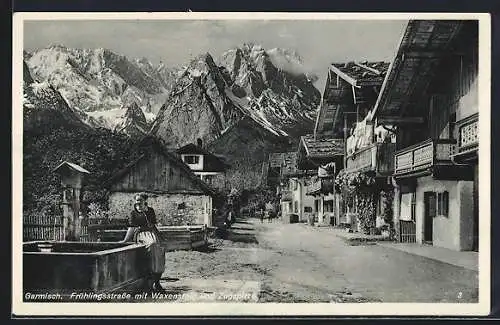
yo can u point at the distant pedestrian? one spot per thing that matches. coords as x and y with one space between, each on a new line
261 215
269 211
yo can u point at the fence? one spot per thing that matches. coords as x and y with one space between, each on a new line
43 227
407 231
50 227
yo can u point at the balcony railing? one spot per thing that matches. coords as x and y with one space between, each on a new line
286 196
378 157
424 155
468 139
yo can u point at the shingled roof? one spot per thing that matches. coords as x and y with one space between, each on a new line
421 49
361 73
314 152
323 147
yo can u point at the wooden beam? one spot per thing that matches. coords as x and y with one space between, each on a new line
425 54
377 72
344 76
400 120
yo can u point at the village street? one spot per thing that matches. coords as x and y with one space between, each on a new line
276 262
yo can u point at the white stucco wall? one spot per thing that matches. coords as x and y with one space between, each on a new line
324 216
198 166
468 103
465 191
455 230
197 211
299 195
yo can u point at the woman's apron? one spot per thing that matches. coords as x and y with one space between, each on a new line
154 250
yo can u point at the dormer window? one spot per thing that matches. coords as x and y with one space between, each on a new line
191 160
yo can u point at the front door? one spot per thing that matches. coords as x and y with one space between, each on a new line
429 213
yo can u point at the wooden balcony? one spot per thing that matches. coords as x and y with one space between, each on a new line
286 196
423 156
468 139
378 157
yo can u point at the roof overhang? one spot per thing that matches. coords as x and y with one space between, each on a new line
423 46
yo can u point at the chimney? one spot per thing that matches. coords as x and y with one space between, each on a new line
200 143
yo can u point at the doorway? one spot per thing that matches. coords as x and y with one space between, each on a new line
429 214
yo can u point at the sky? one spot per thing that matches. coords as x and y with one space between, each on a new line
175 42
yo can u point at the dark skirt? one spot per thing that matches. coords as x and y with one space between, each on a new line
155 252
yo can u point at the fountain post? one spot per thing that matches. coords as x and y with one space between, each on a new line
71 182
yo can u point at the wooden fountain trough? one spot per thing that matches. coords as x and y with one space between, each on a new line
66 268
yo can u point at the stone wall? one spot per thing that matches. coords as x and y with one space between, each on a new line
171 209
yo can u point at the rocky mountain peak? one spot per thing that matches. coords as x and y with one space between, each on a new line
99 82
133 122
212 95
135 113
28 80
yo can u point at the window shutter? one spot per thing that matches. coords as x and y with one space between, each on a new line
439 204
445 203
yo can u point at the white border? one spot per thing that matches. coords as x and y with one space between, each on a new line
20 308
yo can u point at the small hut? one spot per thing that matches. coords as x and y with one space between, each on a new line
178 196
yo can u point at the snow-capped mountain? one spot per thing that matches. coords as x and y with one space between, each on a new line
247 104
209 97
44 104
100 83
273 85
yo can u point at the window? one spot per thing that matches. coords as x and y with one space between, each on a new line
442 203
407 206
208 179
296 207
308 209
191 160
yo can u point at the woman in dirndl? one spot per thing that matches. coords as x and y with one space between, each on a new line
142 229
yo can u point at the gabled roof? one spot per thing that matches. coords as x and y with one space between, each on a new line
322 147
362 83
191 148
314 152
212 162
159 148
71 166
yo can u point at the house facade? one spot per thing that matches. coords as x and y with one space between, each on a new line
293 186
350 92
430 102
207 166
178 196
323 155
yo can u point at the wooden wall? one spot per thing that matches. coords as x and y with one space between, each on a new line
156 174
452 79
